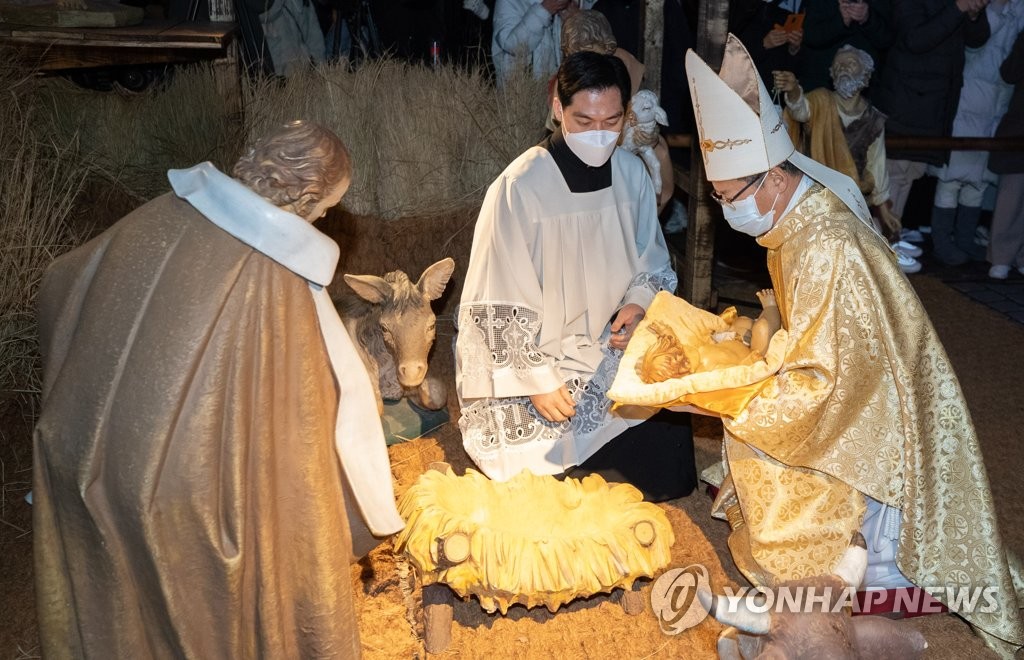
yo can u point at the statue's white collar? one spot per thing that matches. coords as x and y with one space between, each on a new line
284 237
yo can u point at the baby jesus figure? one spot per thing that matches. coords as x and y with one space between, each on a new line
744 342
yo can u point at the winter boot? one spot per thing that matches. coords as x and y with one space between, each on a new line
946 250
964 232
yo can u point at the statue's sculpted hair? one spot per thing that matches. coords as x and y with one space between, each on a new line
587 30
295 165
867 63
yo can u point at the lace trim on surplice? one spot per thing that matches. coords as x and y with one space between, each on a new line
491 424
663 280
496 336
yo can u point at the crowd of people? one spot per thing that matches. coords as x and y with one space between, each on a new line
922 68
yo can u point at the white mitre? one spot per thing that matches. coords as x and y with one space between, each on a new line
741 130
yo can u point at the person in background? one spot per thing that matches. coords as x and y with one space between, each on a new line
567 255
843 131
527 35
831 24
921 83
983 101
1006 245
761 26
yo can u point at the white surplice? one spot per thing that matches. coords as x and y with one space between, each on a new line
548 271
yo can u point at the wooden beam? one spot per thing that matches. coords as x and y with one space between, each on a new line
151 42
904 142
653 43
712 28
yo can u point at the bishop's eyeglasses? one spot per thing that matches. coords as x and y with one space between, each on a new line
730 202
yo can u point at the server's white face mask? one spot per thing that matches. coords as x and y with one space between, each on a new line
592 147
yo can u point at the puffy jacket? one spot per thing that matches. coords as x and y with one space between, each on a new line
923 72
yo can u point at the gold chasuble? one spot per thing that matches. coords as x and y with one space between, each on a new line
866 403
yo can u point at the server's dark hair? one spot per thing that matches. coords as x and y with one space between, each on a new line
587 70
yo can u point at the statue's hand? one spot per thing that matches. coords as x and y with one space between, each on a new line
785 81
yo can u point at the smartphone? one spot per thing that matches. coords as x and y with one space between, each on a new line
794 23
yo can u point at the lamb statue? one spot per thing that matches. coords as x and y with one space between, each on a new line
641 131
825 631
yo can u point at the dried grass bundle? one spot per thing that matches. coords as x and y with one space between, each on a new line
41 180
132 139
424 141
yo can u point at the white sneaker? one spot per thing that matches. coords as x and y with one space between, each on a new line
911 236
999 272
906 248
907 264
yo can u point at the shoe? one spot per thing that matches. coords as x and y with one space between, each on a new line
999 272
907 264
911 236
906 248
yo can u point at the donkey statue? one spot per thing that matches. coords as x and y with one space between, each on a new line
392 326
827 631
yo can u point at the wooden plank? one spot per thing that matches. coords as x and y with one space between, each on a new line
152 42
146 35
712 28
60 57
95 13
682 178
682 140
653 44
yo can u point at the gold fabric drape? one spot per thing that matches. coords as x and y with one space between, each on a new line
188 497
866 403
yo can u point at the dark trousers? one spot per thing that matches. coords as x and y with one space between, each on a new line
656 457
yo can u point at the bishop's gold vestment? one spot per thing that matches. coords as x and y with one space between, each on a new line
866 403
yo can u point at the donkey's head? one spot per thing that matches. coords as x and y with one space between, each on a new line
405 317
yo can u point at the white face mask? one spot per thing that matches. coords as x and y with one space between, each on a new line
592 147
744 217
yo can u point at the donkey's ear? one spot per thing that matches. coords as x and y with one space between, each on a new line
435 278
369 287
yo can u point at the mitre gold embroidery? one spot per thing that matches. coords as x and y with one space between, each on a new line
710 145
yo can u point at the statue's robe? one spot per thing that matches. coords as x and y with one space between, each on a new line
855 147
189 499
865 404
